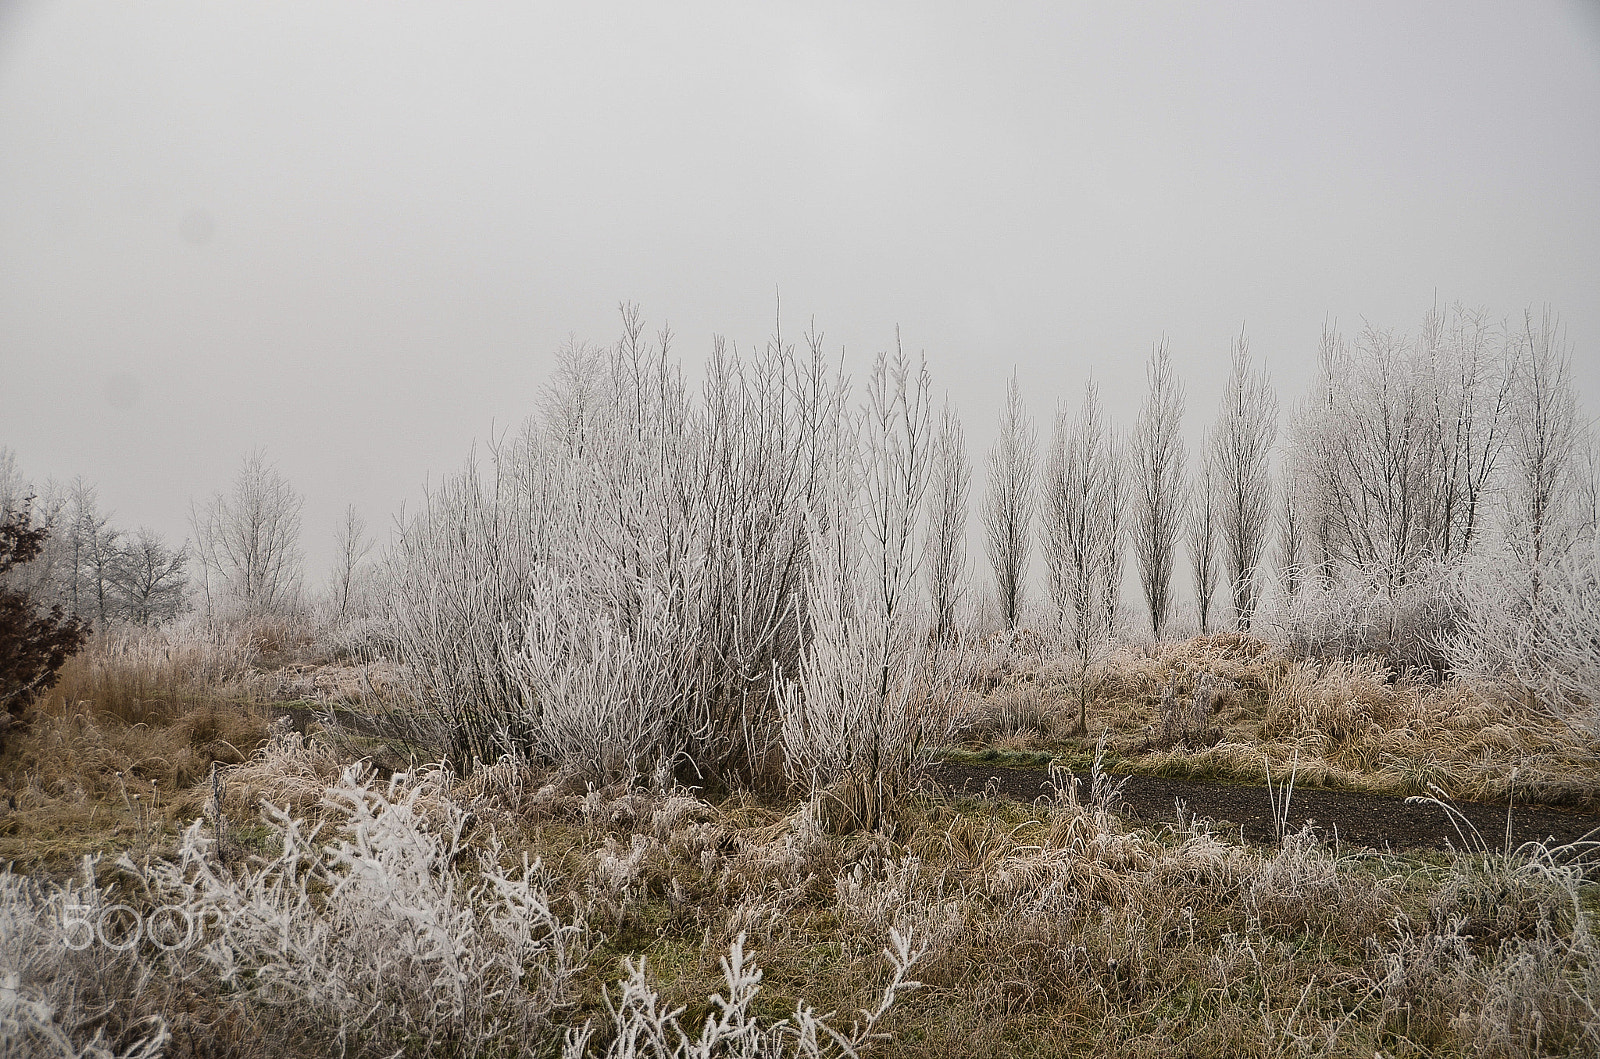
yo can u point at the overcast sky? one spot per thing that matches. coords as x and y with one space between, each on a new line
355 234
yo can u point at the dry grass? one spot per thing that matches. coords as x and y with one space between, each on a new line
118 752
1351 724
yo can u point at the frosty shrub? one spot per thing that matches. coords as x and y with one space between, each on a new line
461 569
669 527
610 698
850 714
1405 624
378 936
60 1002
1546 641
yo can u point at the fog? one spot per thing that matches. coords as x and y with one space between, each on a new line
356 235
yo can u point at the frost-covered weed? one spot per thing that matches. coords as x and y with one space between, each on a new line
58 1001
639 1025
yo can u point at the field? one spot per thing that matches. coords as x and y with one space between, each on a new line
522 911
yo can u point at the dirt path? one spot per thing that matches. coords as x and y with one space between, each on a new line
1360 819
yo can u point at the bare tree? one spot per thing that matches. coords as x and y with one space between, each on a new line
80 556
947 524
897 456
248 542
1246 427
1589 487
1545 437
1114 531
102 555
1158 456
1291 545
13 487
351 547
1009 508
1081 534
1470 394
1397 447
1204 535
1394 453
151 579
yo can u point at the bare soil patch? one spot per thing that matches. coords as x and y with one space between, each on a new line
1361 819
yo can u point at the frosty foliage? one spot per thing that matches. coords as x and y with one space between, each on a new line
53 1001
676 525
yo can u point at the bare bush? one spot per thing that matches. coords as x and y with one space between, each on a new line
462 568
652 507
1405 624
611 699
1547 644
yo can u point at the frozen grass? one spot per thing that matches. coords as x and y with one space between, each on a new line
1352 724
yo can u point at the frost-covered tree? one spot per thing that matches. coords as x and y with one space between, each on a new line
1081 534
1157 455
248 541
1396 448
1008 509
1247 425
1543 492
897 452
352 545
151 580
1204 532
849 715
1291 539
946 560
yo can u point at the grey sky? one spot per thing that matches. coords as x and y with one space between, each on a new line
355 234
